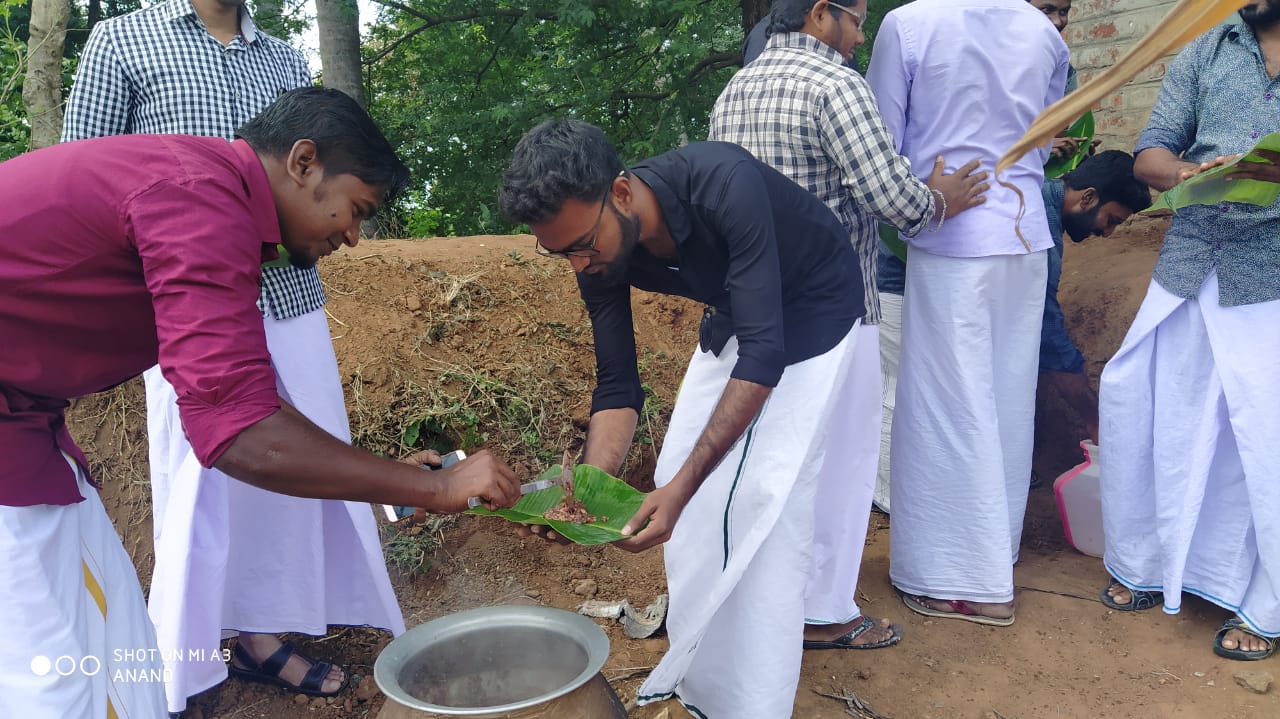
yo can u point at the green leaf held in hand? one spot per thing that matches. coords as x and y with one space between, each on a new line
1212 187
609 499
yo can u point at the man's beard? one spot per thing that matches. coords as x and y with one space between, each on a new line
1079 225
616 271
1262 17
301 262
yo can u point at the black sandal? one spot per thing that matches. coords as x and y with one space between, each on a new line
268 672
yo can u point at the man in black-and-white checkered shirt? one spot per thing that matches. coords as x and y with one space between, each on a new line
201 67
800 109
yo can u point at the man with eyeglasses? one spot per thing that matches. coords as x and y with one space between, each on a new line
737 476
803 111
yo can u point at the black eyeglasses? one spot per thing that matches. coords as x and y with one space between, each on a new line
589 249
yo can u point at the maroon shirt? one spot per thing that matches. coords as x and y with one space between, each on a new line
117 252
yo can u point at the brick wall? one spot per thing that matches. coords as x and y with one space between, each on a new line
1099 33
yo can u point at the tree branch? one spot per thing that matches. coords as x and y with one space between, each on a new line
705 66
430 21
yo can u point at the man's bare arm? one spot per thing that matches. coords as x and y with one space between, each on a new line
739 405
609 437
289 454
1162 169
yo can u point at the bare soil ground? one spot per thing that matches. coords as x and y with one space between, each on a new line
478 341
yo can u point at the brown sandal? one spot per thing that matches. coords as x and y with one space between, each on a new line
960 609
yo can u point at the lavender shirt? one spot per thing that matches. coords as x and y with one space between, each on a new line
965 79
118 251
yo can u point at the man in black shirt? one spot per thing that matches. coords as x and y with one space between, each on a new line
735 478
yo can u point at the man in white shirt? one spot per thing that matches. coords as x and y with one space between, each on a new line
966 78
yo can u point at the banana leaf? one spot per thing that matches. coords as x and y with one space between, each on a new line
611 500
889 236
1058 166
281 261
1212 187
1185 21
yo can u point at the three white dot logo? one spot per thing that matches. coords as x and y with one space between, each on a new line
65 665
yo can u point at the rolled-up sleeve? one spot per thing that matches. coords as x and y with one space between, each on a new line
877 177
617 377
1173 119
201 252
743 216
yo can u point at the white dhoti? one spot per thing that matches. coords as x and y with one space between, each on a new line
230 556
890 350
962 427
845 484
1190 428
738 560
78 644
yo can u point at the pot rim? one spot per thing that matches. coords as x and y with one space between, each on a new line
387 667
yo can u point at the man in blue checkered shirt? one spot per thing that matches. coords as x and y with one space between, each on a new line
1189 427
229 556
1091 200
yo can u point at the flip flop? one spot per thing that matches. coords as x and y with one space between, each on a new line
1140 601
268 672
1240 654
959 610
846 641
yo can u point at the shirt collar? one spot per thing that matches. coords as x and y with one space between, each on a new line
260 197
178 9
804 41
673 211
1243 34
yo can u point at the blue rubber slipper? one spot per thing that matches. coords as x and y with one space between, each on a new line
1240 654
1141 600
847 641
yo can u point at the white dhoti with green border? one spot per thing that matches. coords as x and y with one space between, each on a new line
739 558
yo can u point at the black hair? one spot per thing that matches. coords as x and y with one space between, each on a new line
347 140
788 15
553 162
1111 173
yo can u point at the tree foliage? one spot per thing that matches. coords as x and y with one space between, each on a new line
456 83
14 133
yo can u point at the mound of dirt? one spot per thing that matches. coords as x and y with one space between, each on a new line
461 342
478 341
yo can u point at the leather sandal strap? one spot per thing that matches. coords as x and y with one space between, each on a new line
245 659
277 660
314 680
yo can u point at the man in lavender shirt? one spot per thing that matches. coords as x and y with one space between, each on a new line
123 250
965 78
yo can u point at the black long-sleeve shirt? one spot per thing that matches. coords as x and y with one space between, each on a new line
761 250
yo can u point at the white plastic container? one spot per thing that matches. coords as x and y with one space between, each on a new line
1079 496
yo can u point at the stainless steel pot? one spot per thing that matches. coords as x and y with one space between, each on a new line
518 662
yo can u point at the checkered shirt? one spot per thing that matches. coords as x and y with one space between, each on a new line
800 110
159 71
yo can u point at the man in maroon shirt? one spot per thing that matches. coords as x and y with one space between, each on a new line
122 250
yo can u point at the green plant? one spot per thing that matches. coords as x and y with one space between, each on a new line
14 131
408 546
